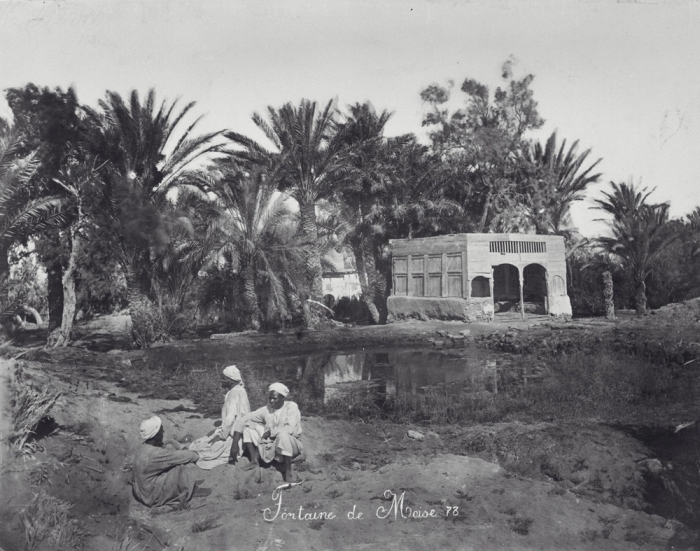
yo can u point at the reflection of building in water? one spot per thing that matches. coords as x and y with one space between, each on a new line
343 368
411 372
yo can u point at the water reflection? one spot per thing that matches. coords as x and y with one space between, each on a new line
416 371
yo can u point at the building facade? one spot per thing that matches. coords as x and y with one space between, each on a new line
471 276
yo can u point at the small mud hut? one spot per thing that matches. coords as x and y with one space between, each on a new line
471 276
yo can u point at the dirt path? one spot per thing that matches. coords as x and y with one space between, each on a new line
469 496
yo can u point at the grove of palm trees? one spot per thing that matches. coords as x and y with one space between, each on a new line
125 205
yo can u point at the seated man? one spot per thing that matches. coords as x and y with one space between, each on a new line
270 433
214 449
159 476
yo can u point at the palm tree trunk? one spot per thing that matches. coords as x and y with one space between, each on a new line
54 283
4 274
641 298
309 229
366 289
5 317
378 281
250 297
137 301
608 295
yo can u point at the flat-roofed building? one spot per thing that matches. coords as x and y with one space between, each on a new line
470 276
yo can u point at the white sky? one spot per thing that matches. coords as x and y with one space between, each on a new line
623 78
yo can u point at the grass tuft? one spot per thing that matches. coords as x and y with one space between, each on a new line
49 517
204 525
520 525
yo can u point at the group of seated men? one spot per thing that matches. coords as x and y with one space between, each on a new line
268 434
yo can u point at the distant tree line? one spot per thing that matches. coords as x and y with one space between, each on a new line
125 205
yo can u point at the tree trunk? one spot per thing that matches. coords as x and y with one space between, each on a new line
5 314
641 298
309 229
143 322
368 292
379 279
608 294
62 338
485 213
251 298
54 280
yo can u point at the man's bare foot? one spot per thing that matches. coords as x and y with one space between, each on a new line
250 466
259 476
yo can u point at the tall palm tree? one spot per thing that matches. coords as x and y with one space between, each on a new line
249 223
363 130
640 233
21 211
312 158
556 179
148 156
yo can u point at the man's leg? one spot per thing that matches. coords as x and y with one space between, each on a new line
287 474
253 454
288 447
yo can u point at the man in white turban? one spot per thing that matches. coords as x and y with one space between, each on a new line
158 473
270 433
214 448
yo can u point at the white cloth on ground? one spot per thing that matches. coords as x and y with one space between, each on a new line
284 425
213 454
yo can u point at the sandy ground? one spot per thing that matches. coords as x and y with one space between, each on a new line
457 481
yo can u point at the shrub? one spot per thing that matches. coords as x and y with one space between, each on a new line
159 321
31 406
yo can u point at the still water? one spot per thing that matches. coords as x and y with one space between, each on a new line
398 372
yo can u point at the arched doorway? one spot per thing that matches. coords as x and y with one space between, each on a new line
506 288
535 289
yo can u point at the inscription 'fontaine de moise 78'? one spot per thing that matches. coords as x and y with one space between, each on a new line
395 510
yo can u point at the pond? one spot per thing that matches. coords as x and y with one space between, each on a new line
318 377
400 372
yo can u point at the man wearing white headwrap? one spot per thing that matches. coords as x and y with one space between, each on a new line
158 473
214 448
271 432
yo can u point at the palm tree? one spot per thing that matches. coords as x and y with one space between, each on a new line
363 131
249 223
312 158
21 211
640 233
694 219
556 178
148 156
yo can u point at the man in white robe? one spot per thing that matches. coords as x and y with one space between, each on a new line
270 433
214 449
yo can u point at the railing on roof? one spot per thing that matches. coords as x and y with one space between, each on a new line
517 247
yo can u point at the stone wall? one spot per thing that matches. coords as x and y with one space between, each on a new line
560 306
427 308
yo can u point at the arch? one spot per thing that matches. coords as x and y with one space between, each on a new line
534 282
506 283
558 286
480 287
